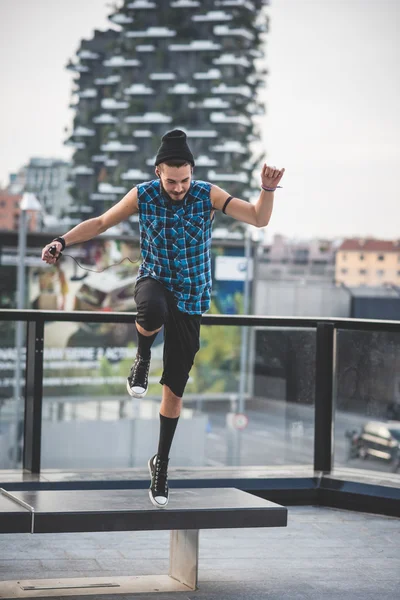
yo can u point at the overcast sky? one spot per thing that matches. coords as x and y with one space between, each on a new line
333 104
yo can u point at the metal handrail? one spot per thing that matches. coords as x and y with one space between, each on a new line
10 314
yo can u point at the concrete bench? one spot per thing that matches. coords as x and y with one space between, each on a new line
189 511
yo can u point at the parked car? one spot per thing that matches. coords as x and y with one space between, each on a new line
377 440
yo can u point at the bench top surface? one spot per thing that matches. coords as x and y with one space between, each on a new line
108 510
56 501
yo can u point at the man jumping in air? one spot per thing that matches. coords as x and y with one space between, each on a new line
173 287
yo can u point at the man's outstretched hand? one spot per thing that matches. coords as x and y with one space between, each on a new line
271 176
49 257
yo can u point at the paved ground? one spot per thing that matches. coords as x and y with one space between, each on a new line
323 554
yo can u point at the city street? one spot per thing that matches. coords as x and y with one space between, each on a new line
269 439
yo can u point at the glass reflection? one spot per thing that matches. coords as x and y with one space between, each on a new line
260 416
12 391
367 419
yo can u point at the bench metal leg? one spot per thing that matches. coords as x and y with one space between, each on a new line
183 570
184 556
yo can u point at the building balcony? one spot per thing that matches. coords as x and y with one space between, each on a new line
121 61
236 4
138 89
185 4
162 76
240 90
83 132
105 119
182 88
88 93
152 32
88 55
145 48
239 31
150 117
116 146
211 74
141 5
195 46
231 59
121 19
211 103
82 170
213 15
111 80
218 117
112 104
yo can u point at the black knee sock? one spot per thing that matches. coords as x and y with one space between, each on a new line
144 344
167 431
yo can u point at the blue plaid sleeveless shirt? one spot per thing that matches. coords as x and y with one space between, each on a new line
175 243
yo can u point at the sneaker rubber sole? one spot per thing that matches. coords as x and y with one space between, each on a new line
135 394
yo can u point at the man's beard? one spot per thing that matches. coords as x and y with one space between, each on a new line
179 198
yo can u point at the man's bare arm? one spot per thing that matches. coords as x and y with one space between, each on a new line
258 214
92 227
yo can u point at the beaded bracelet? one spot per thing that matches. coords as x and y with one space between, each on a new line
266 189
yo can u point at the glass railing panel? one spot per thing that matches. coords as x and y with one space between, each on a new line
269 375
367 415
249 399
12 390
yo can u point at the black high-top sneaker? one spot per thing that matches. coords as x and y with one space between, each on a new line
158 491
138 380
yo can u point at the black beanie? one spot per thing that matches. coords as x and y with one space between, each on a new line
174 146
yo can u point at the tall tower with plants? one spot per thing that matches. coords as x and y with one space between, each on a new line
162 65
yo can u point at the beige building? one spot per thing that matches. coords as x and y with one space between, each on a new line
368 262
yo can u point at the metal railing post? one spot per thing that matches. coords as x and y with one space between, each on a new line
324 385
33 395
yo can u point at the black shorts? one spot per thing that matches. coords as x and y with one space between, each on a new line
156 306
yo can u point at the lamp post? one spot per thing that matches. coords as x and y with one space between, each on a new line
246 310
29 203
244 337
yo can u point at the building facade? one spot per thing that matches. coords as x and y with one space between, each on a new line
10 212
368 262
307 262
177 64
48 179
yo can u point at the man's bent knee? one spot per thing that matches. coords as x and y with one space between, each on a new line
145 331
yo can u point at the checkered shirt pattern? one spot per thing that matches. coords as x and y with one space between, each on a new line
175 242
